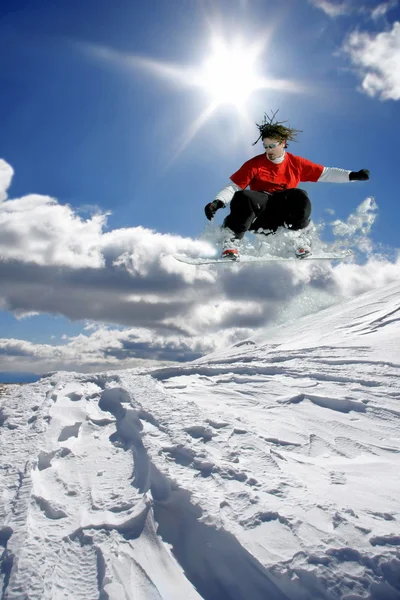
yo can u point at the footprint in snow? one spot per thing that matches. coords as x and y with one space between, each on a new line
75 396
45 458
239 431
50 509
231 474
69 431
338 478
217 424
200 432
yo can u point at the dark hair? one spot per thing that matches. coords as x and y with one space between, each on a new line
276 130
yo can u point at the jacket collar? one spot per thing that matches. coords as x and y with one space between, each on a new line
277 161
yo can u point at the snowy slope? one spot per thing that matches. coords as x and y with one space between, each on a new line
268 471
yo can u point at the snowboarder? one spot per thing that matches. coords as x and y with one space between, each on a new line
273 199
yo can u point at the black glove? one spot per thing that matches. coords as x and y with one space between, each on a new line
212 208
362 175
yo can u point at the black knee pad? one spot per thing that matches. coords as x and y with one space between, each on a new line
296 225
238 197
297 210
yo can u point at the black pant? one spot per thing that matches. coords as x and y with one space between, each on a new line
254 210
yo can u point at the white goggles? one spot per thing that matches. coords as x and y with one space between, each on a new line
271 146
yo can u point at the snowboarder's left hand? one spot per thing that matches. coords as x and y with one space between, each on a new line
212 208
362 175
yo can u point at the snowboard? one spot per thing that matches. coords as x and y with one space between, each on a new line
192 260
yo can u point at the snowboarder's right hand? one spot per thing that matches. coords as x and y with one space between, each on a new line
212 208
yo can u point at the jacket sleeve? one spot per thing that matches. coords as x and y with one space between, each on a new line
245 174
227 193
309 171
334 175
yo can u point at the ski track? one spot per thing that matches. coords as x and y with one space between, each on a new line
217 480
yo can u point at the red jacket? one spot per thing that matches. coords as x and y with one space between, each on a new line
262 175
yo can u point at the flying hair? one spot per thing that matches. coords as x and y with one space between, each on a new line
276 129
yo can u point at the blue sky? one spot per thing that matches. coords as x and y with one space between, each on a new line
96 110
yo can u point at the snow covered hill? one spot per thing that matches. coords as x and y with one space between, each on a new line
268 471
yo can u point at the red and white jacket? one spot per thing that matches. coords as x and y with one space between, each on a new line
264 175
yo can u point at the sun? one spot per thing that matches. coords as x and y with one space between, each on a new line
229 75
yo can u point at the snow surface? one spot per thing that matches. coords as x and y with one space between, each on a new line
266 471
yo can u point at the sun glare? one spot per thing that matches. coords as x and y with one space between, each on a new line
229 75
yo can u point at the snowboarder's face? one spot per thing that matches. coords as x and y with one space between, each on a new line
273 148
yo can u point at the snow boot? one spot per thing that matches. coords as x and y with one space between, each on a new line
303 251
230 249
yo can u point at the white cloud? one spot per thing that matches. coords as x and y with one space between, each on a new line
6 174
381 10
54 262
354 279
48 233
333 9
378 58
358 225
110 348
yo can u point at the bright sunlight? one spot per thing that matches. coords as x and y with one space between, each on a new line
229 74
